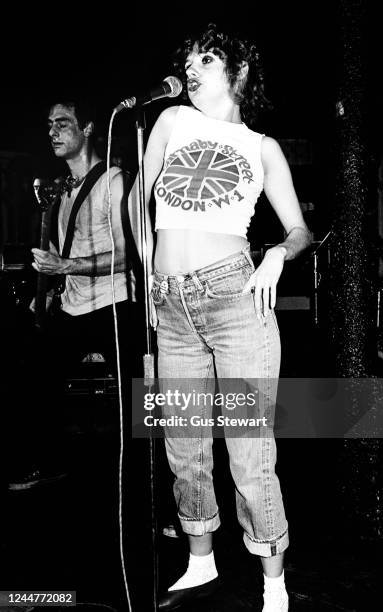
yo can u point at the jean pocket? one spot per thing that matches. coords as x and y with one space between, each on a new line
158 294
230 284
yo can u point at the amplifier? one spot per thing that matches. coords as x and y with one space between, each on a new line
298 287
293 302
92 387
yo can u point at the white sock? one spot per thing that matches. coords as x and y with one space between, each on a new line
275 583
200 570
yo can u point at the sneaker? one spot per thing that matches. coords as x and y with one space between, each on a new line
275 600
34 478
93 357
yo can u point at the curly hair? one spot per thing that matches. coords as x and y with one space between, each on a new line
233 51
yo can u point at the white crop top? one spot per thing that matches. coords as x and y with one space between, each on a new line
212 175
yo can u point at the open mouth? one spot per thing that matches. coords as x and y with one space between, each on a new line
193 85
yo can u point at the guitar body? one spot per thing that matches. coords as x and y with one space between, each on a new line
49 194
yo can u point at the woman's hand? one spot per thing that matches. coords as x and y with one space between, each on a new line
263 282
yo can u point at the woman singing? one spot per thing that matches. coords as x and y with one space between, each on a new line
214 308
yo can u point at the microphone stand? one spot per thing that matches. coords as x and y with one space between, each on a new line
148 358
317 276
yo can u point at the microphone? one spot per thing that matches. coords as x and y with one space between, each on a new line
170 87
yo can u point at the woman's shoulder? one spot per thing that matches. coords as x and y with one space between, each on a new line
270 148
170 114
272 154
168 119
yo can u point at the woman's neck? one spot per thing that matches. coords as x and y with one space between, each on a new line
224 112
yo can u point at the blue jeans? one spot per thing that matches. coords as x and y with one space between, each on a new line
208 329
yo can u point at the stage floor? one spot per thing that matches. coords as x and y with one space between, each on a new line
65 535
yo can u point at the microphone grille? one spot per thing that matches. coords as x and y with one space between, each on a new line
175 86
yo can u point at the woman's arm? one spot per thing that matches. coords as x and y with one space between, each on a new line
153 162
279 189
280 192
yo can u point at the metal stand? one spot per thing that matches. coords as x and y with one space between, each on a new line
317 276
148 358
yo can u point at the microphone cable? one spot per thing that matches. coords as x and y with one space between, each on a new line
113 250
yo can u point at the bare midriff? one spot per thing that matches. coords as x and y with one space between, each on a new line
180 251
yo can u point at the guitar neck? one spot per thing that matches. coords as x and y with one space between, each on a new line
45 229
42 279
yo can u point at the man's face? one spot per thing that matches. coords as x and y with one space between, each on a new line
66 136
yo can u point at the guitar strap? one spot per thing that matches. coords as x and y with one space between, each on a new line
88 184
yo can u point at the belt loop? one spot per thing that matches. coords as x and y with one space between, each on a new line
196 281
164 285
160 276
248 256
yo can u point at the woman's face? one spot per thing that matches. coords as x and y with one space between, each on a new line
207 81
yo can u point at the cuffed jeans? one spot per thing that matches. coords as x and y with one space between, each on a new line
208 328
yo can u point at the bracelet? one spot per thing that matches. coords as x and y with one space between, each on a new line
279 246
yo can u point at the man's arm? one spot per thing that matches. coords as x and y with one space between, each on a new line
50 262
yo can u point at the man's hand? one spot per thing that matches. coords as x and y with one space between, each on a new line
49 262
263 282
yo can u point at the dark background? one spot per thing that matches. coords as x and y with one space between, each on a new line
112 51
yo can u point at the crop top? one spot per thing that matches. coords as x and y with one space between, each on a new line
212 175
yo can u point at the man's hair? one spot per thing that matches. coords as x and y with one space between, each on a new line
83 109
233 51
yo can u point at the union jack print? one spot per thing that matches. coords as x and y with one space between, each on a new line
201 174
